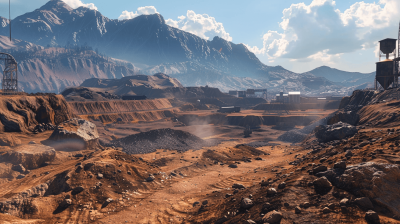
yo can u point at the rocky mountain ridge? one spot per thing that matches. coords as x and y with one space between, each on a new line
150 45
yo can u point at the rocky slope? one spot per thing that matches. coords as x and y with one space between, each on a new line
53 69
23 113
145 39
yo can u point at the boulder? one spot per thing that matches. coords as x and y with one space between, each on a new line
364 203
340 165
150 178
272 217
99 176
238 186
19 168
348 153
326 210
271 191
372 217
320 169
338 131
74 135
322 185
77 190
65 203
297 210
246 203
377 181
346 116
282 185
29 156
344 202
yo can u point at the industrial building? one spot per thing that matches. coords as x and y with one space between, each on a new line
250 93
291 97
387 69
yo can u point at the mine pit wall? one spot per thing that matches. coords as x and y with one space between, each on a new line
303 106
132 117
119 106
22 113
226 101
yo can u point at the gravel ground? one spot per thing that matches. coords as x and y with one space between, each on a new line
147 142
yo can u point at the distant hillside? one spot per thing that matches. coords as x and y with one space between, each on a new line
146 39
148 44
342 77
53 69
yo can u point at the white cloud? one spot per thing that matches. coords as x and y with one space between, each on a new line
146 10
202 25
78 3
321 32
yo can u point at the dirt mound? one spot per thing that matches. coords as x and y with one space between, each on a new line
30 156
23 113
167 138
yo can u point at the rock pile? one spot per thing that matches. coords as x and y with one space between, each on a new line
44 127
338 131
74 134
347 115
147 142
370 181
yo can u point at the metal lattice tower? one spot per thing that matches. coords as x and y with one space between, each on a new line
10 74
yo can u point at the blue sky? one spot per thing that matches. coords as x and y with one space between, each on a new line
299 35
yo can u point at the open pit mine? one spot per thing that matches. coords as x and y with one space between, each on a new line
90 155
112 144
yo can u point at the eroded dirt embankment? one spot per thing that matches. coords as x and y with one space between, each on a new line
22 113
119 106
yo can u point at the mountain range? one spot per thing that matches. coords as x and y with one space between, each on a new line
148 44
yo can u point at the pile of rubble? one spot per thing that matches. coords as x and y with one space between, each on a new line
44 127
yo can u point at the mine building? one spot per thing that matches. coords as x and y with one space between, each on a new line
291 97
294 97
249 93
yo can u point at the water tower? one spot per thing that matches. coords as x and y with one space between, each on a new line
386 69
